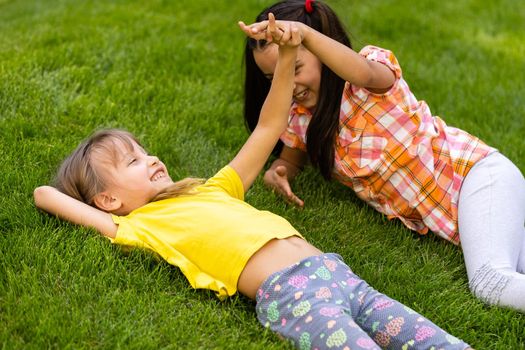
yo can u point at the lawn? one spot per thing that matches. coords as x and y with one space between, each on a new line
170 72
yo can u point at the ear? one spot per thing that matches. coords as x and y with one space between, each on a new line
107 202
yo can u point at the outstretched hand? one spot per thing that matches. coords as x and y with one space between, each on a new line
283 33
277 180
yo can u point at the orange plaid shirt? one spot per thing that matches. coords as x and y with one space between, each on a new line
397 156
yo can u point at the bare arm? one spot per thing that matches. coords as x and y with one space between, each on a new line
342 60
274 113
57 203
347 63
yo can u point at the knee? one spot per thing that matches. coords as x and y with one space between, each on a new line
488 284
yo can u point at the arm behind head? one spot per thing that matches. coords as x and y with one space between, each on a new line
67 208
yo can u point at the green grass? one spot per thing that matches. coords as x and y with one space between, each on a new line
170 72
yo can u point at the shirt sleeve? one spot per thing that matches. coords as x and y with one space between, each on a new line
295 134
226 180
383 56
126 235
386 57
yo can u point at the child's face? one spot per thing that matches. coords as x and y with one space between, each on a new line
307 73
136 177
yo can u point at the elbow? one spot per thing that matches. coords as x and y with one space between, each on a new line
39 195
378 77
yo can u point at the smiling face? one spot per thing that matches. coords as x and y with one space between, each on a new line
307 73
133 177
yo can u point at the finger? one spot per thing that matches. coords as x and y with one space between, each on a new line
244 28
296 200
258 27
271 22
285 188
291 197
286 191
269 36
249 32
295 35
285 37
281 179
272 29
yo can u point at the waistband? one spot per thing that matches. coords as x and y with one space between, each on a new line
293 269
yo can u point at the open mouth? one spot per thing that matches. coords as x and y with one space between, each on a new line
301 95
159 174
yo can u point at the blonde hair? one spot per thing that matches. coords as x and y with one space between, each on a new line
81 178
179 188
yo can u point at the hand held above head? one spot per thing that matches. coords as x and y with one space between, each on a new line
284 34
272 30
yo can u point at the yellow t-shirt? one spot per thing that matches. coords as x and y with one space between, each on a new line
209 235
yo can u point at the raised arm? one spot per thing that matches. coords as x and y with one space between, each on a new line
57 203
342 60
274 113
347 63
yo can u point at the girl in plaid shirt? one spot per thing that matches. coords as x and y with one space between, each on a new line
354 117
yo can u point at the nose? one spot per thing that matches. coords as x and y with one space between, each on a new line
153 160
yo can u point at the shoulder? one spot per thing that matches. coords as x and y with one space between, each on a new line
226 180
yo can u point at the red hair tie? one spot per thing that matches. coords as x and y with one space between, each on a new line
308 5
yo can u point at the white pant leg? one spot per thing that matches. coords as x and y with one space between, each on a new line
491 217
521 261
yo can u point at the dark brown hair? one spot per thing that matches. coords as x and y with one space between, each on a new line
325 120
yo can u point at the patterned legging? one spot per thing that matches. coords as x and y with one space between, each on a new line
319 303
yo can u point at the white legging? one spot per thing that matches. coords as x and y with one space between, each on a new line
491 217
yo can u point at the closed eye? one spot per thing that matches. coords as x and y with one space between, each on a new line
298 66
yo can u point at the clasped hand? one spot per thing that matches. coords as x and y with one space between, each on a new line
283 33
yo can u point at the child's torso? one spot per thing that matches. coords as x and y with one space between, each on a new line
209 235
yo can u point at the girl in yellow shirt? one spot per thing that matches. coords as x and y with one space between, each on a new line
221 243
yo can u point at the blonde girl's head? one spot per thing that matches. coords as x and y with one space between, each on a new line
91 169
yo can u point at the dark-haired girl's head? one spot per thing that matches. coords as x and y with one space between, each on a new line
317 87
